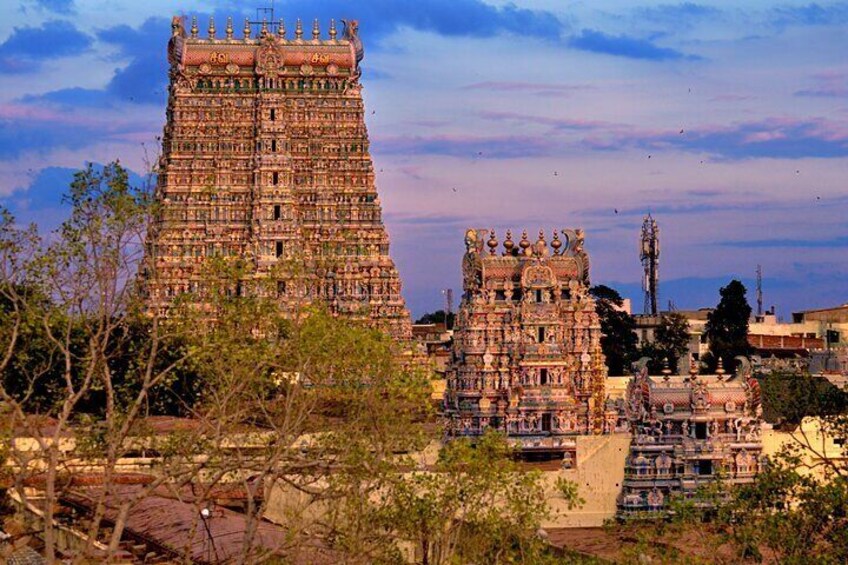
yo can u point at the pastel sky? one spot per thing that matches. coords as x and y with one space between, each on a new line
728 121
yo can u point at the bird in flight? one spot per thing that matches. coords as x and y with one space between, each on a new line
616 210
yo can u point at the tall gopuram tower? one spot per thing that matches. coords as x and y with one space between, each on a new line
527 354
265 156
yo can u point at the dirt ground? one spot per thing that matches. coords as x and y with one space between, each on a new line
641 544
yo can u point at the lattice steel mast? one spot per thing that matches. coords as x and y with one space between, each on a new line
650 257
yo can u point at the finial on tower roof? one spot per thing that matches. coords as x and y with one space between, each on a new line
524 244
281 29
493 242
666 370
211 29
333 32
246 28
316 30
194 27
298 29
229 31
264 31
556 243
720 369
509 245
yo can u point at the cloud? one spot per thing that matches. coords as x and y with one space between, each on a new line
838 242
535 88
57 6
676 16
812 14
830 84
491 147
27 47
453 18
624 46
43 200
38 128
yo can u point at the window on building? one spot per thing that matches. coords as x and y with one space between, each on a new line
517 294
274 145
541 334
279 249
281 288
705 467
275 178
546 422
278 211
700 430
538 295
500 295
543 376
565 294
273 114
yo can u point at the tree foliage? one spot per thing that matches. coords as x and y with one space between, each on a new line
671 342
619 340
727 326
276 399
437 317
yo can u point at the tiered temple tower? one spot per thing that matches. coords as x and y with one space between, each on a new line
265 156
687 432
527 356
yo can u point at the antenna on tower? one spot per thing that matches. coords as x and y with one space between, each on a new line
448 292
649 254
265 16
759 290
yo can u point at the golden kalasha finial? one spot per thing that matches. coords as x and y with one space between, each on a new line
492 243
246 28
211 29
333 31
524 244
316 31
720 369
556 243
541 241
281 29
194 29
298 29
509 245
229 31
264 31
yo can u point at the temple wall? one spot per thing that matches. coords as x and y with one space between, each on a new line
599 475
808 431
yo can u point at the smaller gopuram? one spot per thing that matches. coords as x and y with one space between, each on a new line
526 355
688 431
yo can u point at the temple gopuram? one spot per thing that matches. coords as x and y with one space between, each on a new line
526 356
265 157
688 431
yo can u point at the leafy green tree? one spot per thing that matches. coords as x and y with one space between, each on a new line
476 505
619 340
278 397
727 327
671 342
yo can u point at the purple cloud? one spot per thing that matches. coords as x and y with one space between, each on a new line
27 47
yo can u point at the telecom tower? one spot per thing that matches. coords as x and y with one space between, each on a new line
650 257
759 290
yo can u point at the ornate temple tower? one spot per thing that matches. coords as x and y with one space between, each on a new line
688 432
265 157
527 356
